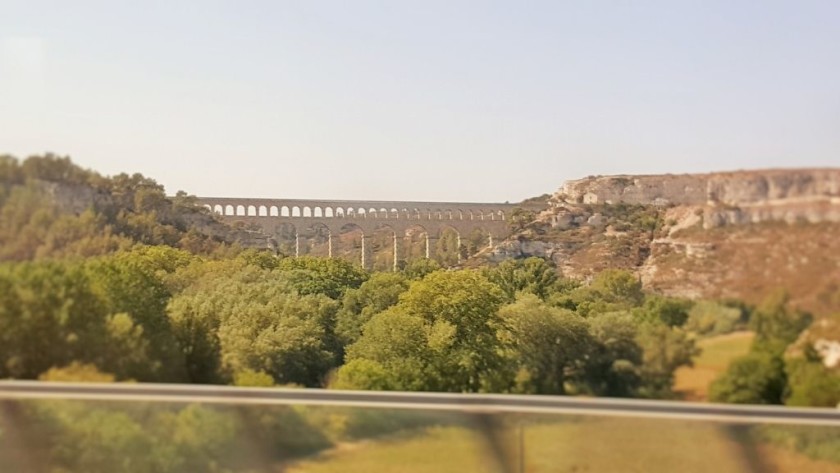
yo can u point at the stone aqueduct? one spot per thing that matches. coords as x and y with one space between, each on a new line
431 218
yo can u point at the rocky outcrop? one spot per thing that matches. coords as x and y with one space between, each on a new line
74 198
790 211
77 198
522 248
733 234
799 195
773 186
726 188
821 338
211 226
645 190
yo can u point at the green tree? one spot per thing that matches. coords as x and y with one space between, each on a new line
254 379
475 241
665 350
328 276
532 275
614 365
10 171
253 319
811 384
756 378
775 325
611 290
548 345
109 311
261 259
666 310
448 249
376 294
419 268
135 294
714 318
368 375
25 220
441 336
55 169
282 336
393 353
460 309
520 218
77 372
49 317
618 287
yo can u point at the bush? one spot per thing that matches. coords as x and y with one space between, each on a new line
757 378
364 374
713 318
358 423
811 384
819 443
164 438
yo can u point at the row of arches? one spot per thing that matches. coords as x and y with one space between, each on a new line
354 212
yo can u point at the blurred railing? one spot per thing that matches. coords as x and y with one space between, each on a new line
68 427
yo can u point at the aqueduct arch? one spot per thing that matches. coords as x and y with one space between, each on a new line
402 218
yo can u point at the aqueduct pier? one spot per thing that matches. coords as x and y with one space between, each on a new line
338 216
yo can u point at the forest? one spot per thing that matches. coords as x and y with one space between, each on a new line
128 286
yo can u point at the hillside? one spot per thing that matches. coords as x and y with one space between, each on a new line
109 279
722 235
735 235
51 207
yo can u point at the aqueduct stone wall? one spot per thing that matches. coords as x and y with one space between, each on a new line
433 218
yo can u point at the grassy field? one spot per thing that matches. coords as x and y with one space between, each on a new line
570 445
693 383
630 445
436 449
592 444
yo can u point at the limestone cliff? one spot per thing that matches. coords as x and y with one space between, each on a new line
733 188
76 198
811 195
731 234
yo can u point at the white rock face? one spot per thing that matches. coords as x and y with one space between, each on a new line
660 190
521 249
798 195
829 350
596 220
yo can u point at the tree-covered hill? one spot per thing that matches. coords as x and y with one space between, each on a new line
110 274
51 207
108 279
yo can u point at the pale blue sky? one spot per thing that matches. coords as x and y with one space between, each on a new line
431 100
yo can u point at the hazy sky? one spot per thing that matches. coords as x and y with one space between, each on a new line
424 100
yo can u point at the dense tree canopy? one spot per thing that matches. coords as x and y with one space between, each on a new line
49 207
111 275
379 292
757 378
552 346
107 279
532 275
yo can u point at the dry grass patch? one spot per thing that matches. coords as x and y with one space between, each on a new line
718 352
631 445
589 444
436 449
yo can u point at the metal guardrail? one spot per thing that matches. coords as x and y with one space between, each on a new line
469 403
